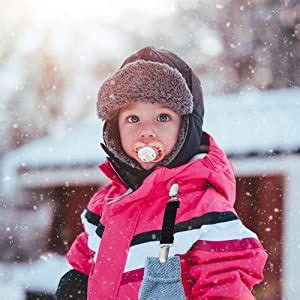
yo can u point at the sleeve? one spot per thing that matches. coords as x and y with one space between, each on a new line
86 244
80 257
226 262
73 284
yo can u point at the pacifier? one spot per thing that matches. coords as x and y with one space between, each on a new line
146 154
149 153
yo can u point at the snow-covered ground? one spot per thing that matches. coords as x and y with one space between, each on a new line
40 275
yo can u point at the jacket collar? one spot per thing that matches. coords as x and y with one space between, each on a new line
214 167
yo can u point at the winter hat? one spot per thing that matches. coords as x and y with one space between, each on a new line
152 76
144 81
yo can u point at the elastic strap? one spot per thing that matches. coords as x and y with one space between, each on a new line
169 223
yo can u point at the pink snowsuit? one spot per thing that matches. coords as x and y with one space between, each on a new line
220 257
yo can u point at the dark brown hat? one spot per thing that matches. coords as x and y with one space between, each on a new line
144 81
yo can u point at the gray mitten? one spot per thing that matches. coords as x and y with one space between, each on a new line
162 280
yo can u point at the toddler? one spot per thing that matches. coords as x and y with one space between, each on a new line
153 113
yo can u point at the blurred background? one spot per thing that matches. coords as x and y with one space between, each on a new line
54 56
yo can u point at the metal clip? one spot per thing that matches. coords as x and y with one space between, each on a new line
164 252
173 193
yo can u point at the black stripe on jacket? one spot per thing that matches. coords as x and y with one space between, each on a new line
195 223
95 220
92 217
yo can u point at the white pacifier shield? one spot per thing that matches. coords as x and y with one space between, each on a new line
146 154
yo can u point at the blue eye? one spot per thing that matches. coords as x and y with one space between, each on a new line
163 118
133 119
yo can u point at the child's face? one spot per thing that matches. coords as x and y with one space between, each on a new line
146 124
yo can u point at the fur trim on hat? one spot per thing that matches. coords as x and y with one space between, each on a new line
144 81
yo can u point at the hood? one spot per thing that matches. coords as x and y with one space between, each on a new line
189 139
192 138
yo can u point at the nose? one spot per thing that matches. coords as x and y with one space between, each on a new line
147 133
